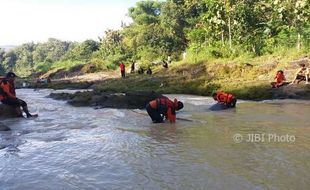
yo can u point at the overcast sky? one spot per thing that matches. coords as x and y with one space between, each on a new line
75 20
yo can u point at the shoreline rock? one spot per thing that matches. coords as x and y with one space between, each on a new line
7 111
295 91
4 128
129 100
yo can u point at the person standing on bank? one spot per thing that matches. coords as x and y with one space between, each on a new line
169 60
122 67
8 95
132 67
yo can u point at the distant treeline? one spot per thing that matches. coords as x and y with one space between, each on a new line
202 28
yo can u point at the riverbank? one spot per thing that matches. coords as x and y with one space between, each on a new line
111 94
247 78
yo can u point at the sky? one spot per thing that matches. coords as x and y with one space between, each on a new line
23 21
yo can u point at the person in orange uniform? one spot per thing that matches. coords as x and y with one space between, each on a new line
122 67
229 100
8 95
279 79
163 108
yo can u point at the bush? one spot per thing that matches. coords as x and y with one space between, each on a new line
42 67
66 64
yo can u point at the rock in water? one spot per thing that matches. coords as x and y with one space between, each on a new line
300 91
130 100
7 111
218 107
139 99
4 128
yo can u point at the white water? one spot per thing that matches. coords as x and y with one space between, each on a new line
83 148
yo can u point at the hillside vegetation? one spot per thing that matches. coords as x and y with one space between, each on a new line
234 45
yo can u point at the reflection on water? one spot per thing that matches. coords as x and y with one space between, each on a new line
83 148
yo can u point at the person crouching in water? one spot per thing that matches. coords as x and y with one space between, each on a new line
8 95
229 100
279 79
163 108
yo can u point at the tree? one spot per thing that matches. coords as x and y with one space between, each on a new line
146 12
9 60
82 51
24 62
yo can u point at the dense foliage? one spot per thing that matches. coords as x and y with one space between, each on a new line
202 28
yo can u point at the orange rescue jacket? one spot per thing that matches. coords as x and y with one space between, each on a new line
280 78
225 98
166 107
7 89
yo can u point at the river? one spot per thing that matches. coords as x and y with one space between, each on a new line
259 145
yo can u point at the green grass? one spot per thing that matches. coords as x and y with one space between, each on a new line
66 64
245 76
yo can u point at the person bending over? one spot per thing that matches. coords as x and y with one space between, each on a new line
8 95
229 100
163 108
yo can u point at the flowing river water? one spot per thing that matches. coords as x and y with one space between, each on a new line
259 145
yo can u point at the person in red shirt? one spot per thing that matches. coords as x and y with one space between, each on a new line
279 79
8 95
227 99
122 67
163 108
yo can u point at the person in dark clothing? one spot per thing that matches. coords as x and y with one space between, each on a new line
302 74
141 71
133 67
149 71
8 95
122 68
165 64
163 108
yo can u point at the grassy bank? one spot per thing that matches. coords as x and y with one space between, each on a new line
174 84
245 76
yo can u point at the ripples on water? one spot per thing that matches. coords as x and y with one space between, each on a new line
84 148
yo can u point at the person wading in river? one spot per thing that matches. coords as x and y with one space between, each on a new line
163 108
226 99
8 95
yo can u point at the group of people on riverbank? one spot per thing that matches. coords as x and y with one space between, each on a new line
133 70
301 75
